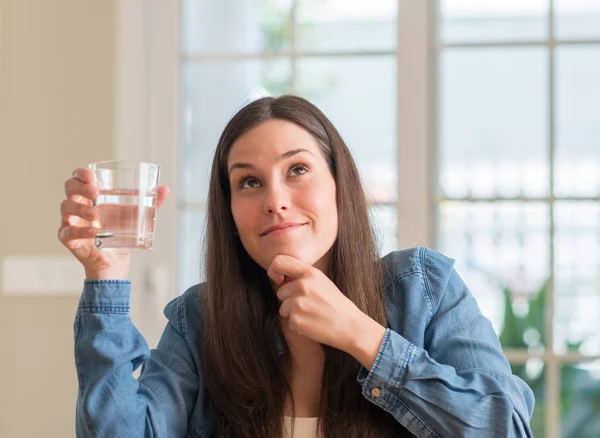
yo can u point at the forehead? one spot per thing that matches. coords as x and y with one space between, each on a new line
270 139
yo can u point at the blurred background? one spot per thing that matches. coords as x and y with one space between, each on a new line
475 125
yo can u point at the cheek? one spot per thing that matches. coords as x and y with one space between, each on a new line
235 212
242 214
324 203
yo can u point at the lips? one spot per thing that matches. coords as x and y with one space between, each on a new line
282 228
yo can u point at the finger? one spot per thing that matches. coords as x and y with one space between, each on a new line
76 189
284 265
286 308
84 175
70 207
285 292
162 193
69 233
277 278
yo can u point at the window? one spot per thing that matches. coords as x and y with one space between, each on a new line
495 161
518 140
339 54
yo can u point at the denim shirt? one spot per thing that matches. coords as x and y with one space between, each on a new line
439 371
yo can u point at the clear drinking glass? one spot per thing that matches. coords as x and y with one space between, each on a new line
126 204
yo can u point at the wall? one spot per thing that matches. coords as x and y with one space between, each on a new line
57 61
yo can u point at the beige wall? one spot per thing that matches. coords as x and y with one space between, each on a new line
56 113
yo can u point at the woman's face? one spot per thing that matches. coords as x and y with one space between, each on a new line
279 178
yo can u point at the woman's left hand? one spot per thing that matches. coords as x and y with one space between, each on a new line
317 309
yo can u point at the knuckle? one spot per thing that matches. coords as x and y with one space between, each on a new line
312 274
276 262
82 210
294 322
64 205
301 305
70 186
63 234
304 287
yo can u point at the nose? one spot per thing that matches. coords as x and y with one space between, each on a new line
277 199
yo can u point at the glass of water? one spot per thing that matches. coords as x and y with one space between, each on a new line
126 204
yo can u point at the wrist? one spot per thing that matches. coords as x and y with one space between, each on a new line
109 274
366 341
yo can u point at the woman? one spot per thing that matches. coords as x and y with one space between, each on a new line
299 325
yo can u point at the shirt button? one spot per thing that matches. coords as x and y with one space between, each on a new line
375 392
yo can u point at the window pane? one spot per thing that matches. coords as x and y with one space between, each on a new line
577 163
502 252
485 21
385 222
577 19
533 373
191 235
334 25
580 400
210 95
493 122
577 277
358 94
235 26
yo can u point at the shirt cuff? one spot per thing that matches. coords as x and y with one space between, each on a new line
383 382
104 296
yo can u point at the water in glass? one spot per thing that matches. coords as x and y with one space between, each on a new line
126 219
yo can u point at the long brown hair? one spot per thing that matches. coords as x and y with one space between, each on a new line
245 375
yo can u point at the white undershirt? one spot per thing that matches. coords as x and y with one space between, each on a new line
303 427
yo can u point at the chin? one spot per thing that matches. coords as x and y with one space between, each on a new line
266 257
320 260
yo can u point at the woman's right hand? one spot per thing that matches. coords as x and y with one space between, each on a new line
77 231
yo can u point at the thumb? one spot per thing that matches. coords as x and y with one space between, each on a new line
162 193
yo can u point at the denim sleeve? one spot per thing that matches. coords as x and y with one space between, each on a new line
460 384
108 348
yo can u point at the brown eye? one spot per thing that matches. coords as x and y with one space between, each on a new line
248 183
298 169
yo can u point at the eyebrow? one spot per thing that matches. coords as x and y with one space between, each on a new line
287 154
